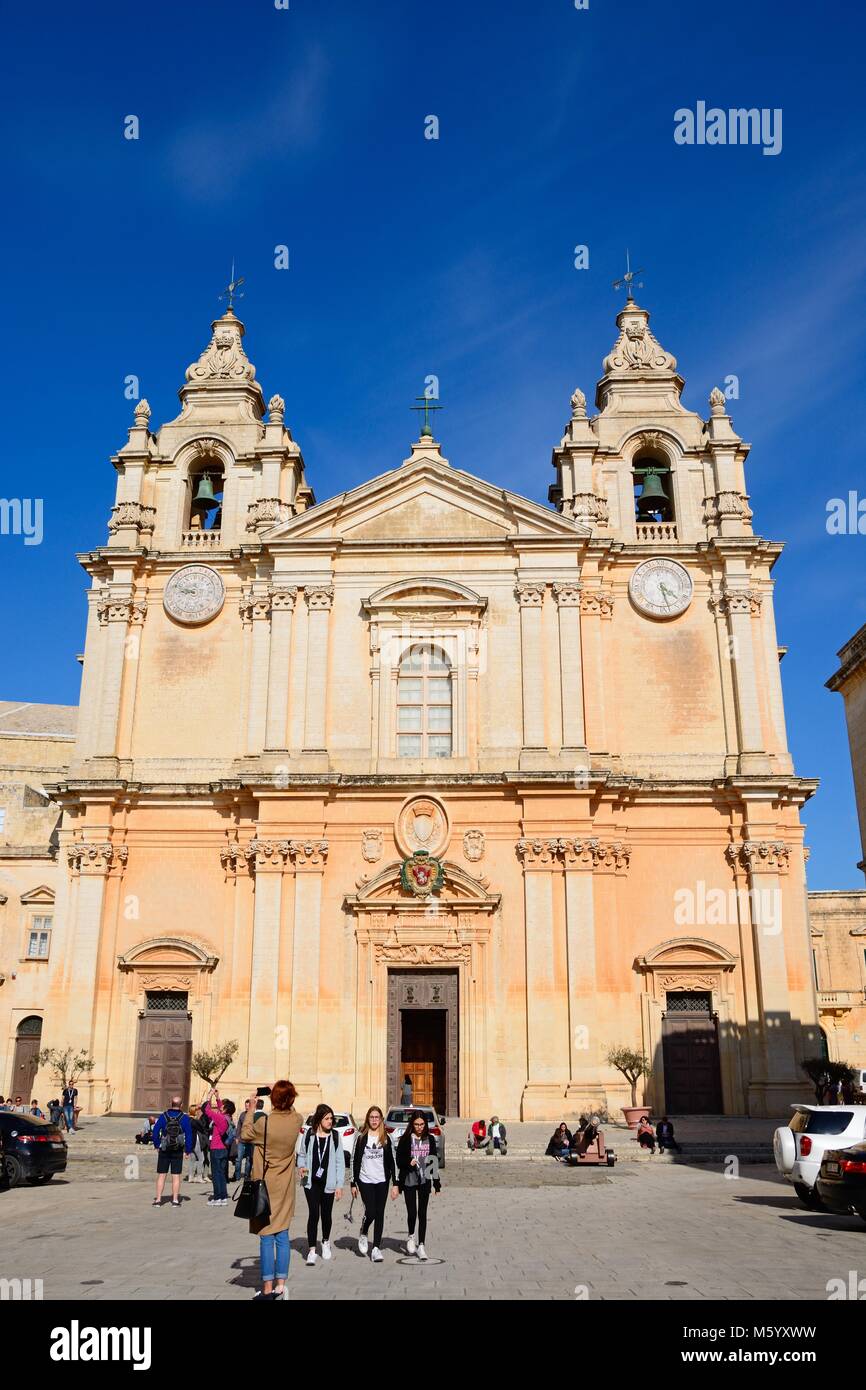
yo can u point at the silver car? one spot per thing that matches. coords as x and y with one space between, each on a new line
399 1116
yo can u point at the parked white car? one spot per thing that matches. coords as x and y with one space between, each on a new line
345 1126
799 1146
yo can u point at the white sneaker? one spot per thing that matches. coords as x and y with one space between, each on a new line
410 1246
376 1256
422 1253
326 1249
224 1201
311 1258
212 1202
363 1245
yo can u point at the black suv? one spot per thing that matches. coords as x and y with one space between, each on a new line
33 1149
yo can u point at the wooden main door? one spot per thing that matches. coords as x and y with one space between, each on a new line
423 1037
690 1043
25 1063
164 1055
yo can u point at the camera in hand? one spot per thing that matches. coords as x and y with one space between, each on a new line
263 1090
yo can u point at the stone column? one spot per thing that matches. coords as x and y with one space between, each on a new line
90 863
259 611
596 607
282 610
765 861
546 1003
740 604
585 1088
270 859
319 600
570 665
116 615
531 599
308 858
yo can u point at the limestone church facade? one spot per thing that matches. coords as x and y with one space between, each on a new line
431 778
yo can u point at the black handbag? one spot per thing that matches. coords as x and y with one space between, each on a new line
254 1204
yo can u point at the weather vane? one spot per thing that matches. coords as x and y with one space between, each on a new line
628 279
426 407
233 289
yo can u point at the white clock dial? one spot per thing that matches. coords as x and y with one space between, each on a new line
194 594
661 588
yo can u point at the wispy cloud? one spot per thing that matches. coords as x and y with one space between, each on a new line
209 158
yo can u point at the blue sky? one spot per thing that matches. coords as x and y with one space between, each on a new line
305 127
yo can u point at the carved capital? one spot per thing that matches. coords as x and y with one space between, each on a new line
267 511
132 514
95 857
614 856
740 601
538 854
589 507
319 596
308 854
567 595
580 853
597 601
267 854
234 857
121 610
760 856
530 595
283 598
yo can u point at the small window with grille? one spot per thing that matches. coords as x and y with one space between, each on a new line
165 1002
39 938
686 1002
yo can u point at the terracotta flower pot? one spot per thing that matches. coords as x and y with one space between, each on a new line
634 1114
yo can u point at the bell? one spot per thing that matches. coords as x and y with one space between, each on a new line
653 497
204 498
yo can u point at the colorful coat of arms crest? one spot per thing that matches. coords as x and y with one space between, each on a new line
422 874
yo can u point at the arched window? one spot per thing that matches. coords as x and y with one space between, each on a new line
652 489
205 496
424 703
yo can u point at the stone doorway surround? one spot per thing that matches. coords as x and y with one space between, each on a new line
450 930
692 963
160 963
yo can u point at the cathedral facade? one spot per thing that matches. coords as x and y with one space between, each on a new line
432 778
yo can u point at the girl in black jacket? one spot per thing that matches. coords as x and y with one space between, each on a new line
417 1175
373 1172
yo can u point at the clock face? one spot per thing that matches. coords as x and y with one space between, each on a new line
194 594
661 588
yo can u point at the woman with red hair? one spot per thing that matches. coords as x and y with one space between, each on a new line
273 1139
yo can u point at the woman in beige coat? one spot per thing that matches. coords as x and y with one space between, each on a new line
278 1132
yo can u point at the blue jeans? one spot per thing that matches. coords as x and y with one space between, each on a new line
218 1164
69 1115
274 1254
244 1161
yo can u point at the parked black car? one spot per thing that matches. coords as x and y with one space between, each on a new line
32 1149
842 1180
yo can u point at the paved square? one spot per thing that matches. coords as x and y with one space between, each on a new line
503 1229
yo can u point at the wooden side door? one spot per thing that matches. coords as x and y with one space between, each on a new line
24 1067
693 1082
163 1061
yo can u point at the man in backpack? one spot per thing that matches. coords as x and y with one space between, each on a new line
172 1139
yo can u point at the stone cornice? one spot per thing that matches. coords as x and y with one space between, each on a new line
851 657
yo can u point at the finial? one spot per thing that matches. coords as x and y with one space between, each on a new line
426 431
276 410
717 401
628 279
578 405
142 414
233 288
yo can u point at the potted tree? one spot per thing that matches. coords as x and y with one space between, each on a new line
66 1069
211 1066
633 1065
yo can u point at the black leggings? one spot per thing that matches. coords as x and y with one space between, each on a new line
416 1202
374 1195
318 1200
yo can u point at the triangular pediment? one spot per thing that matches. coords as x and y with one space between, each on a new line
426 499
43 896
